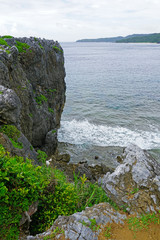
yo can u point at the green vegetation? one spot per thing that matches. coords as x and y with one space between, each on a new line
3 42
50 110
35 39
13 133
42 156
22 47
135 190
7 36
137 224
40 45
57 49
54 131
40 99
21 184
145 38
107 232
31 148
51 90
56 231
31 115
92 225
66 199
1 92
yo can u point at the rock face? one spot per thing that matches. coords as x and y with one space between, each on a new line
84 225
32 91
135 184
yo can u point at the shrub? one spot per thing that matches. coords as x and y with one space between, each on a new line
40 99
7 36
22 47
21 184
13 133
67 199
50 110
57 49
3 42
42 156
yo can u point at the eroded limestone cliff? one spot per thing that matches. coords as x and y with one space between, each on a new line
32 88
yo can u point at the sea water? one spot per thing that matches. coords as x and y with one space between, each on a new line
112 100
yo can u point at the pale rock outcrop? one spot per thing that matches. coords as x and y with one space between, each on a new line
135 184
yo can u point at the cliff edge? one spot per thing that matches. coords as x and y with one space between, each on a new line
32 88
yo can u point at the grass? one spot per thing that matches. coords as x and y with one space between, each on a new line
57 49
7 36
56 231
144 227
22 47
3 42
92 225
67 199
40 99
40 46
50 110
13 134
137 224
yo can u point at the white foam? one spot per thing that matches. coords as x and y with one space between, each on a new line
80 132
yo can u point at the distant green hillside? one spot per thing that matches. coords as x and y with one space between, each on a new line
134 38
112 39
149 38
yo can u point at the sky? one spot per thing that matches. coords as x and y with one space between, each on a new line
70 20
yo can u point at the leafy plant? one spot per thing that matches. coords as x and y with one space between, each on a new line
7 36
40 45
107 232
67 199
22 47
40 99
50 110
56 231
51 90
57 49
3 42
136 223
13 133
21 184
31 148
42 156
135 190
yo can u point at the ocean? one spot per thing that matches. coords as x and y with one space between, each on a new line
112 100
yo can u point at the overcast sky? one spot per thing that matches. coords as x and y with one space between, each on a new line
70 20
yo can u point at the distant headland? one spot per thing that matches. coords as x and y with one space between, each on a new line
134 38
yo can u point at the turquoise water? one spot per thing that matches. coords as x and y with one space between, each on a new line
112 98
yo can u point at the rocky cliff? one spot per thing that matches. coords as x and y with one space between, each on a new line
32 88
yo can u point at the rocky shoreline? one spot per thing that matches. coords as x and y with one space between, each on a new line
32 97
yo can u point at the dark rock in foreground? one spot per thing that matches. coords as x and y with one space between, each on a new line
32 91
